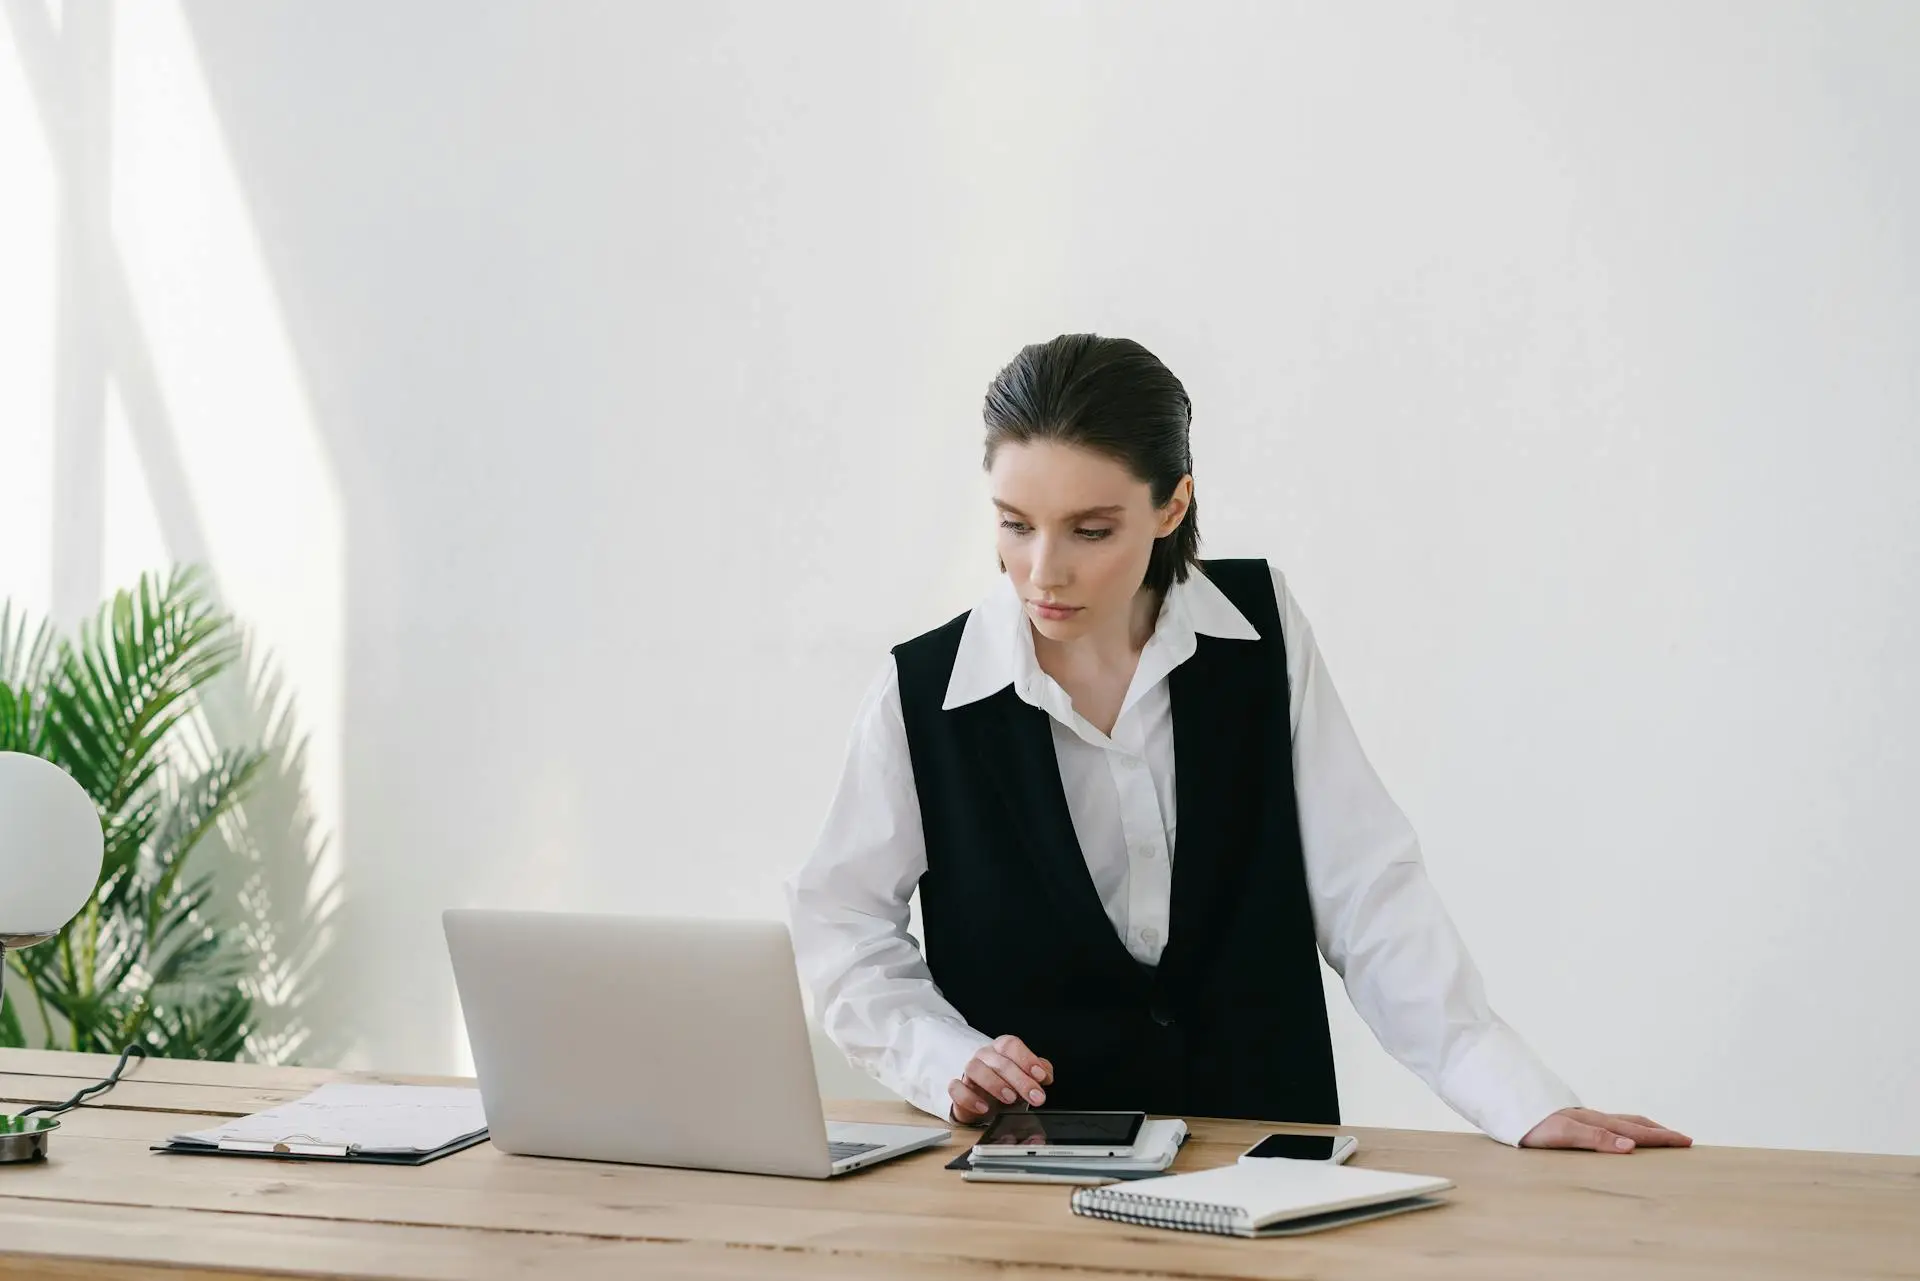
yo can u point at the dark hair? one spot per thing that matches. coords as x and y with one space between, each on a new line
1114 397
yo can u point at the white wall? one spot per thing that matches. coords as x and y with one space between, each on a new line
581 398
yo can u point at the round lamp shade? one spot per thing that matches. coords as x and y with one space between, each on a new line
50 849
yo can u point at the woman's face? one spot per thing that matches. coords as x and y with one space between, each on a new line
1076 531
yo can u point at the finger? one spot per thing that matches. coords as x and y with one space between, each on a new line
969 1102
1598 1138
1032 1064
1647 1134
1570 1129
1640 1129
1652 1124
1013 1074
985 1070
988 1082
1029 1062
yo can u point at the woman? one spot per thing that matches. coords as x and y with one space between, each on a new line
1133 806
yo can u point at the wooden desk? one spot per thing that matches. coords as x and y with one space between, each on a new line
104 1206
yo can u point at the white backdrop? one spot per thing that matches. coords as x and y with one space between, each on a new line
580 398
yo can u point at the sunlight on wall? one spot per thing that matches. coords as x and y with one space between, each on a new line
259 486
27 255
132 542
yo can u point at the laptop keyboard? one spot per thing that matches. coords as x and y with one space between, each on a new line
841 1151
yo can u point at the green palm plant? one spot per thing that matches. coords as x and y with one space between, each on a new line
147 961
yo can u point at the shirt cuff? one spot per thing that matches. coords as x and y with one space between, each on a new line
942 1052
1501 1086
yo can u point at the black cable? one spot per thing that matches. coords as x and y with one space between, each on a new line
98 1087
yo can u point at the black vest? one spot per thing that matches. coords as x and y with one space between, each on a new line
1233 1021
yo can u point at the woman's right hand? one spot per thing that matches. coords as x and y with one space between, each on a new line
999 1076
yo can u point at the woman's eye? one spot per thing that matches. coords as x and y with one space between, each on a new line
1021 527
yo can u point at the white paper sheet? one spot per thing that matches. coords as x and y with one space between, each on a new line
364 1118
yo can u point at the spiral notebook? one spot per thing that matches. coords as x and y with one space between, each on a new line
1263 1198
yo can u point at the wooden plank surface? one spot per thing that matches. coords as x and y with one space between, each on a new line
79 1241
106 1201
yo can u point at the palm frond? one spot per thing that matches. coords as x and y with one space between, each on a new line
40 967
185 950
26 654
217 1030
127 834
126 685
26 658
198 806
15 717
12 1036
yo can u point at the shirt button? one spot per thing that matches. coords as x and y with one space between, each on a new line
1149 935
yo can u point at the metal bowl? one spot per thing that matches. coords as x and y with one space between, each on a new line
24 1138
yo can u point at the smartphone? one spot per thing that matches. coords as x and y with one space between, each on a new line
1331 1148
1026 1135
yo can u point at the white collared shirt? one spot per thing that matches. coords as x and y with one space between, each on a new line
1379 922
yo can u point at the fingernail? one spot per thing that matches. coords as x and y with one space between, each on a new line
1008 1095
1036 1096
1624 1144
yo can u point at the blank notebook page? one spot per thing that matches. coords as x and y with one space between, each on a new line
1270 1191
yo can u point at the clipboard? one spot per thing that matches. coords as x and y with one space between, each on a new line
313 1152
368 1123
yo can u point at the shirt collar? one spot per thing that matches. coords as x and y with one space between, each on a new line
996 645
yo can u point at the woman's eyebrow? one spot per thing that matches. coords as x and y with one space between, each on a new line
1112 509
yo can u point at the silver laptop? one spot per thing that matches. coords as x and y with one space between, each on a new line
650 1040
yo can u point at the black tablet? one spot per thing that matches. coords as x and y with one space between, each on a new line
1044 1133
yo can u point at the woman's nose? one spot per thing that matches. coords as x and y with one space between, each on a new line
1049 565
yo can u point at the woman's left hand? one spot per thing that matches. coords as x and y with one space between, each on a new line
1602 1132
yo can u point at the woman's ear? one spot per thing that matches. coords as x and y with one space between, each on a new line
1176 506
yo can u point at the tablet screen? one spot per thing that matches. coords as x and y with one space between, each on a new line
1065 1129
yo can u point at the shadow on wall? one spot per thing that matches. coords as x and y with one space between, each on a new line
276 873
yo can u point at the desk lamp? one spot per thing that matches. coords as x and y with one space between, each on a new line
50 852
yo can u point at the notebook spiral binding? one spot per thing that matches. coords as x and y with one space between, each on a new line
1127 1207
